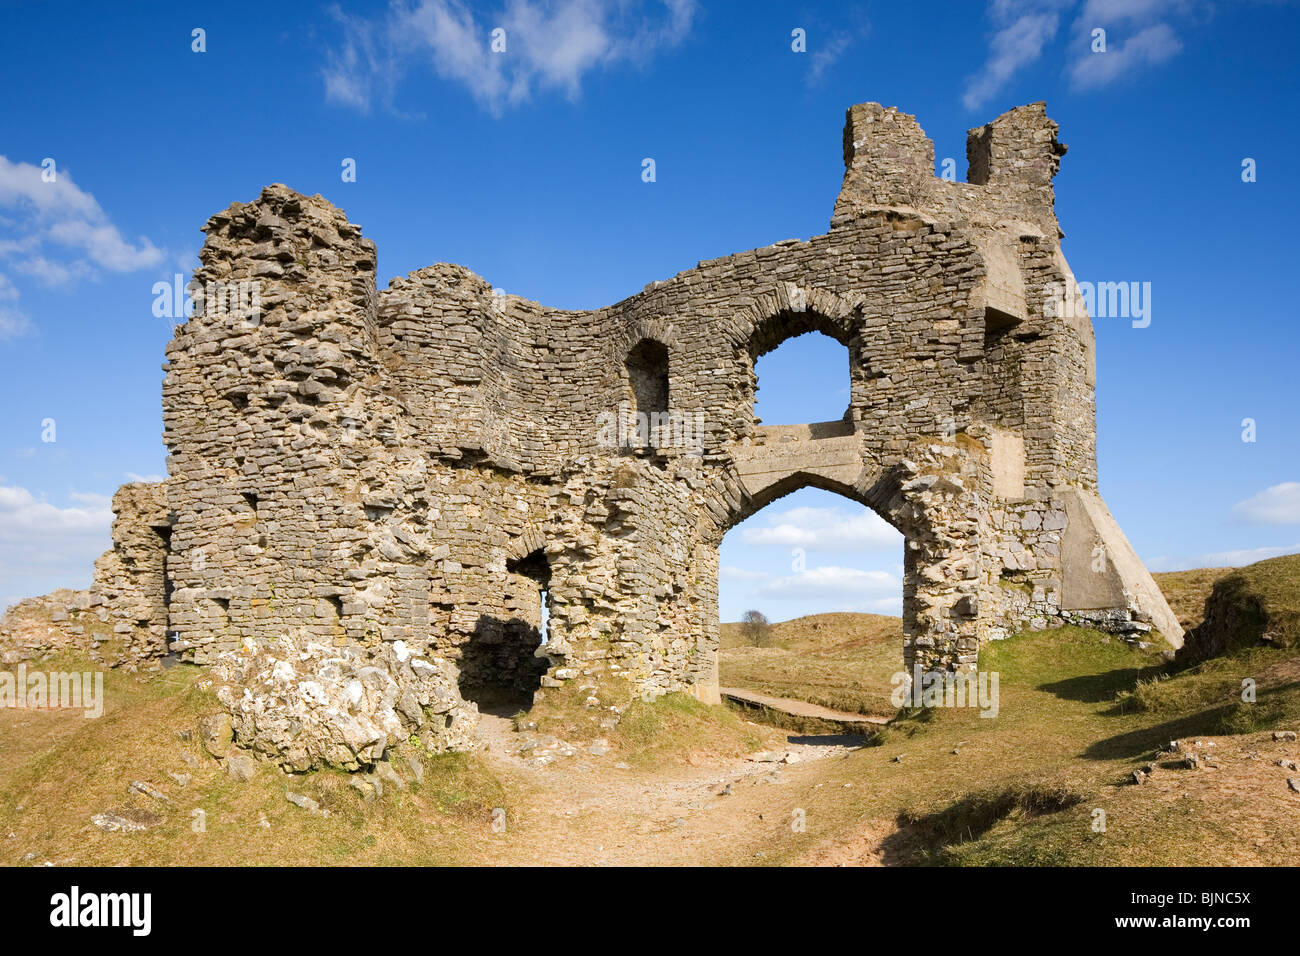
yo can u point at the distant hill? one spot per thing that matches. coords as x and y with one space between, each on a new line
844 628
843 661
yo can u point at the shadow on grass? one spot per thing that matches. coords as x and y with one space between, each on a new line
928 838
1098 688
1273 706
1140 742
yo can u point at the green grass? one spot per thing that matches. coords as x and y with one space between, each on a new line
676 725
1258 604
59 769
1079 712
942 836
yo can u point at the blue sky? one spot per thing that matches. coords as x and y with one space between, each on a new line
525 166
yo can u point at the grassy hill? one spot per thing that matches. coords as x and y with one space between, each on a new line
841 661
1248 607
1186 592
845 660
1048 781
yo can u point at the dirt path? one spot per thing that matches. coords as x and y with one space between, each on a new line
593 809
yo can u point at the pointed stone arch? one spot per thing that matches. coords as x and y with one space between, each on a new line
803 308
934 507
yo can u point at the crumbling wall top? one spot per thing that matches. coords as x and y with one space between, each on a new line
889 163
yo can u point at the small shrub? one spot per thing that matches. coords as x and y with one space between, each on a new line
756 628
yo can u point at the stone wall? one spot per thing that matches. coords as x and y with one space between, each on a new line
360 469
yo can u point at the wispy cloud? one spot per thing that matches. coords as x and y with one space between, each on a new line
824 529
43 545
56 233
549 46
1149 46
1022 30
828 46
1234 559
1279 504
1221 559
832 581
13 323
832 588
1139 34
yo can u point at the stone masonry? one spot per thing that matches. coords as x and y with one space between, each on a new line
372 492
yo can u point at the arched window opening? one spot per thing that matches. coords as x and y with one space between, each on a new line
647 373
803 380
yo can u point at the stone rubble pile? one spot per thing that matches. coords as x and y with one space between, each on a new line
305 705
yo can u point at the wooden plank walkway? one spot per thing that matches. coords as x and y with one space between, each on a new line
799 708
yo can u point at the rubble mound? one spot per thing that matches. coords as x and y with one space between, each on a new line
305 705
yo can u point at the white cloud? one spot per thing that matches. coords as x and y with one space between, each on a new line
826 53
13 323
44 546
1235 559
1221 559
1279 504
824 529
60 213
1139 34
1150 46
25 514
832 581
549 46
1023 29
56 233
51 273
730 573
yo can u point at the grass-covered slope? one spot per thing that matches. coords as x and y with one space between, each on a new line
1248 607
1048 780
841 661
59 770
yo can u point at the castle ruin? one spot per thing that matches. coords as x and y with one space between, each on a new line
375 492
